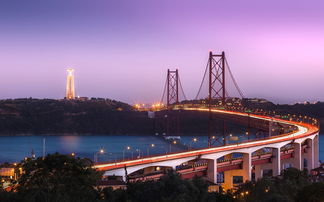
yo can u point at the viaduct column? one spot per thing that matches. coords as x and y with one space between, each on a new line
276 168
258 172
212 170
316 151
247 166
297 156
310 154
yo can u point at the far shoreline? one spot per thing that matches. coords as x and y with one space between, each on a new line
89 134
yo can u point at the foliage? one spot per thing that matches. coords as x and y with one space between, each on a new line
288 187
96 116
169 188
311 193
8 196
58 178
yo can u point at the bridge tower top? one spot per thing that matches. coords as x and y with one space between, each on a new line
172 87
216 65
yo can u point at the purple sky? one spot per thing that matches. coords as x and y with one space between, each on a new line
120 49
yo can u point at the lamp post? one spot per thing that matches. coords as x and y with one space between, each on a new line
173 142
95 156
127 148
139 153
193 141
148 148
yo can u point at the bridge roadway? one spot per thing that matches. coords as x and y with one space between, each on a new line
303 159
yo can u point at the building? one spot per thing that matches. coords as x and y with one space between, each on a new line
317 174
113 182
7 172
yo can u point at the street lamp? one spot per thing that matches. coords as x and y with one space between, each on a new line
193 141
127 148
173 142
95 156
148 148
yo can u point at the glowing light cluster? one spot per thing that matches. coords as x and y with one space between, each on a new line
70 91
139 106
157 105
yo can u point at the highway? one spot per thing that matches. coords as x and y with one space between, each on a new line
304 130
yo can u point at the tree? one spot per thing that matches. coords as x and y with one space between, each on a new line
58 178
170 188
311 193
280 188
8 196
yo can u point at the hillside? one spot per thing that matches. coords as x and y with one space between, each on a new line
109 117
61 116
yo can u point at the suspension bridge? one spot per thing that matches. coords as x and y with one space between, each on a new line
291 141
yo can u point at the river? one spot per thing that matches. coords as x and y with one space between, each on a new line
15 148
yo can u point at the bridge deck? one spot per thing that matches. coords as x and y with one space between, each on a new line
304 130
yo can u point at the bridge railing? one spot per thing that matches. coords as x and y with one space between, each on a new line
256 111
190 150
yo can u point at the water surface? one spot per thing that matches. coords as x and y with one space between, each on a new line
15 148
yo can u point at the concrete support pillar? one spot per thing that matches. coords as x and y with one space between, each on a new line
212 170
297 156
276 163
316 151
258 172
310 154
313 156
247 165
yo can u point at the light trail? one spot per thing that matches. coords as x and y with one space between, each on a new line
304 130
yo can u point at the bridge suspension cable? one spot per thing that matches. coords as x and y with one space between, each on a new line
215 76
215 68
181 88
202 82
164 90
173 89
234 81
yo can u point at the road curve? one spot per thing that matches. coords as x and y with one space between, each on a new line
304 130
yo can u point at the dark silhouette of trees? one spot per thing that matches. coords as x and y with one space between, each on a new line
168 189
58 178
311 193
62 178
292 185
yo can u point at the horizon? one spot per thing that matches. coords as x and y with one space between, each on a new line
148 104
121 50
